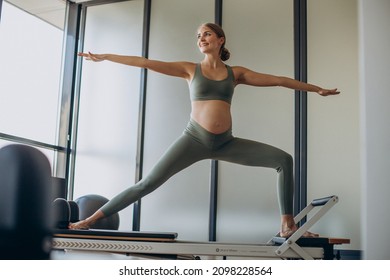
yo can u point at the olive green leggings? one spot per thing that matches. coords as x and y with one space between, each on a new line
197 144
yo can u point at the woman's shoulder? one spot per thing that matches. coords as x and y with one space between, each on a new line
189 64
239 70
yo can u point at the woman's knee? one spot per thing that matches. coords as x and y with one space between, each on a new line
144 187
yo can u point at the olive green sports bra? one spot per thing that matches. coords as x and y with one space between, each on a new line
202 88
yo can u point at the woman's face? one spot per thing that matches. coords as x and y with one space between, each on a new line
208 41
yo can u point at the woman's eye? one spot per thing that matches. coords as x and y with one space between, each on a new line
204 34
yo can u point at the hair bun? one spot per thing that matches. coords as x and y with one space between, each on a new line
225 54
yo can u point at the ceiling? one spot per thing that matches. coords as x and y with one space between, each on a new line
51 11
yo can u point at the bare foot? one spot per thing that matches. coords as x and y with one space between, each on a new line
310 234
288 227
286 232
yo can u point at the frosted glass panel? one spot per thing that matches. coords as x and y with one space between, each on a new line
30 55
109 99
333 122
260 37
181 204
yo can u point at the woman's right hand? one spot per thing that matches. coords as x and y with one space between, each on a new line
93 57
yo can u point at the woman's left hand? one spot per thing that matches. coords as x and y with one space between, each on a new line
326 92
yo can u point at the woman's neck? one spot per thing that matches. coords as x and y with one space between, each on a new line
212 62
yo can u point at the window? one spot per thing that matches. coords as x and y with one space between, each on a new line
30 70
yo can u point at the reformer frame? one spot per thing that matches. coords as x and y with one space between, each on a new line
137 243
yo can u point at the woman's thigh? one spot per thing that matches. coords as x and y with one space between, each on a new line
252 153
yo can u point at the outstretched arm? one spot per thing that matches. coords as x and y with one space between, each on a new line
177 69
249 77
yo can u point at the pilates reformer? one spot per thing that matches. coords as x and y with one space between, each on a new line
167 244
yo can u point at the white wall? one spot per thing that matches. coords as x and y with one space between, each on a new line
374 18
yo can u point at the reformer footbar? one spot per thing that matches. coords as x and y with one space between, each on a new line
291 243
294 247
